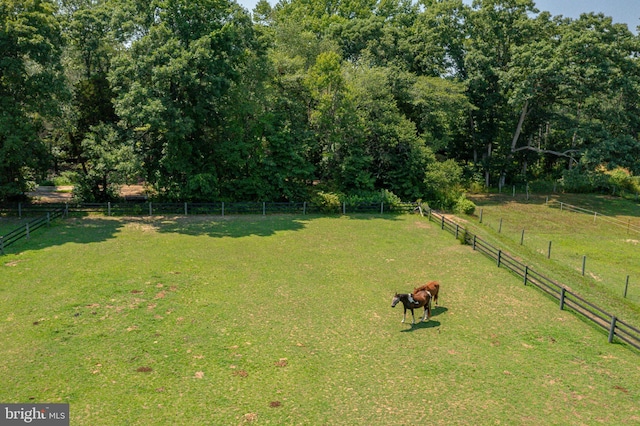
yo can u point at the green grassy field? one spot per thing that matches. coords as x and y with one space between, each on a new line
611 250
286 320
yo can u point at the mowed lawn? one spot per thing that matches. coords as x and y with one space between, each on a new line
286 320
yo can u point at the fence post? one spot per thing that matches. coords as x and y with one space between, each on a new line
595 216
264 208
549 251
2 244
612 328
526 274
584 263
457 228
474 242
626 286
481 212
499 257
186 211
344 207
562 298
522 238
442 222
561 204
108 208
500 227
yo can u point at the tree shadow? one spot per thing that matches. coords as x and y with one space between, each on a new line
78 229
231 226
82 227
238 226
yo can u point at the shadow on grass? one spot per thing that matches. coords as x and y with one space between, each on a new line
76 229
421 325
248 225
83 228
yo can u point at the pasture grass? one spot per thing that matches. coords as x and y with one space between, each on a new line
611 251
286 320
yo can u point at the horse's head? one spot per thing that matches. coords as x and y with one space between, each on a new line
395 300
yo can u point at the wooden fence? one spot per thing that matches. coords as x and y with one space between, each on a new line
128 208
566 298
24 231
596 216
47 212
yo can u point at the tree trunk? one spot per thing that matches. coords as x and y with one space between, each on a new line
518 131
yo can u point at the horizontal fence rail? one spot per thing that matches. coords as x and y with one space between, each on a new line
596 216
616 327
566 298
24 231
141 208
48 212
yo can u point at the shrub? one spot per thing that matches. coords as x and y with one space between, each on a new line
621 180
464 206
328 202
574 180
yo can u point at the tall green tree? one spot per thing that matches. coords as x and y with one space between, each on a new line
31 87
173 86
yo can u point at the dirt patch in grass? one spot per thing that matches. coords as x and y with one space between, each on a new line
282 362
250 417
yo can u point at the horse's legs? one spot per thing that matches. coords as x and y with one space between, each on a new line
404 315
427 310
414 317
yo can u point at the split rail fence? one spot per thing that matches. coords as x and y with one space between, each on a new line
566 298
614 325
24 231
47 212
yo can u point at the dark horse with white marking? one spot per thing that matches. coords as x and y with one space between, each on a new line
420 299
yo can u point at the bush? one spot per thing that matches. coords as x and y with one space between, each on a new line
621 180
328 202
331 202
574 180
65 178
464 206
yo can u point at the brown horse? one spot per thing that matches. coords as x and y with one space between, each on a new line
422 299
432 287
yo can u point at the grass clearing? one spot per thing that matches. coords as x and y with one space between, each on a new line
287 320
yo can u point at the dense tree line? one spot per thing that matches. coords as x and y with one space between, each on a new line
204 100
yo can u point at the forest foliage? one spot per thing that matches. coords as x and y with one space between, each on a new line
204 100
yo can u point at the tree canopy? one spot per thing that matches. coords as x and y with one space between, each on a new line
203 100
